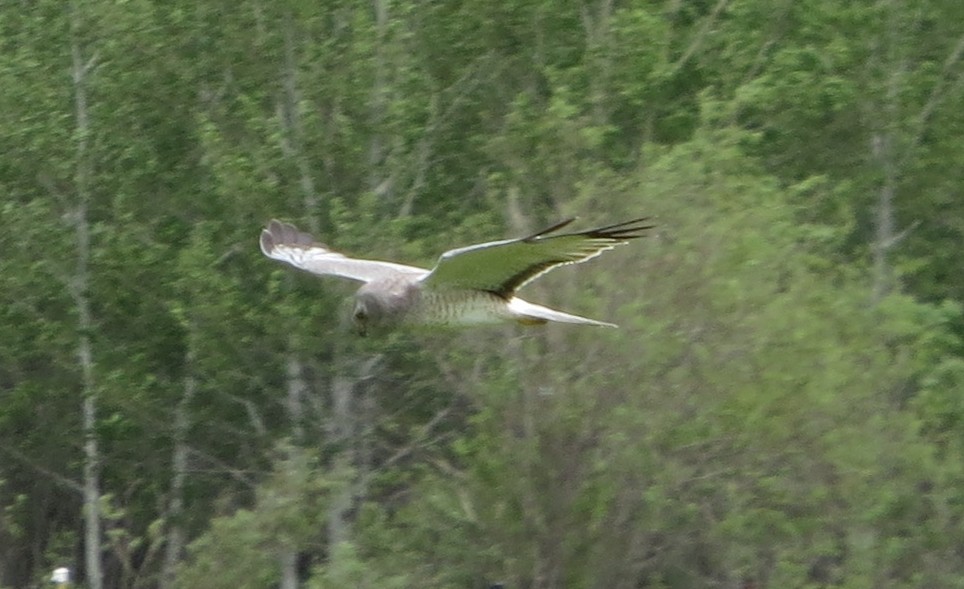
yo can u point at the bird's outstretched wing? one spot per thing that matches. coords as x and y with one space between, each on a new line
502 267
283 241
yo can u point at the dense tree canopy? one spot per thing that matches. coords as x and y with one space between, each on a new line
783 405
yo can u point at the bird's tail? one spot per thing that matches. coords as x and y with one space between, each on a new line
527 313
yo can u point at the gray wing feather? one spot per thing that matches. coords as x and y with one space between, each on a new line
284 242
502 267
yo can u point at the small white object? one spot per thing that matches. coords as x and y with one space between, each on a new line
61 575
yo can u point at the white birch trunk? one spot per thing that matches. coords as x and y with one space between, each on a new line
174 547
79 292
289 569
884 238
341 434
292 143
376 149
289 109
894 146
884 154
296 387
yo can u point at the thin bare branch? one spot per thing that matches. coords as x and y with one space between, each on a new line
701 35
421 441
938 93
92 62
253 415
222 468
896 239
54 476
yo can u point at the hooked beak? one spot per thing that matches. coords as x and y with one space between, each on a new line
359 325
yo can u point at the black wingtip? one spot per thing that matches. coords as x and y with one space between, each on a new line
278 233
267 244
270 235
631 229
551 229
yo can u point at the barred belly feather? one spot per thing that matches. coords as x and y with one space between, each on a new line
459 307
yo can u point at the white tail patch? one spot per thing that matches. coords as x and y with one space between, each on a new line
528 312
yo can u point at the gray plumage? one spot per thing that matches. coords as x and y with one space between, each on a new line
468 286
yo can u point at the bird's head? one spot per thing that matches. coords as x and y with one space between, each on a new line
360 316
370 312
382 305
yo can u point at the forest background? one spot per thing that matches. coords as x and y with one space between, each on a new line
783 405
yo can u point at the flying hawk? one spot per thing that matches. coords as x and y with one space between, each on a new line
468 286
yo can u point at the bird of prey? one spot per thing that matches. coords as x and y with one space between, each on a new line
468 286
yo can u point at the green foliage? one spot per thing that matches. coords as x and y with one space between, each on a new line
766 439
232 555
762 418
348 569
243 549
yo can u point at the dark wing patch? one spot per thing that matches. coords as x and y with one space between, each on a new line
502 267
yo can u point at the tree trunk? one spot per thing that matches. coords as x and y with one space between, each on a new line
884 238
893 147
79 292
175 512
341 433
884 153
296 387
292 142
289 108
353 453
596 27
289 568
379 183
